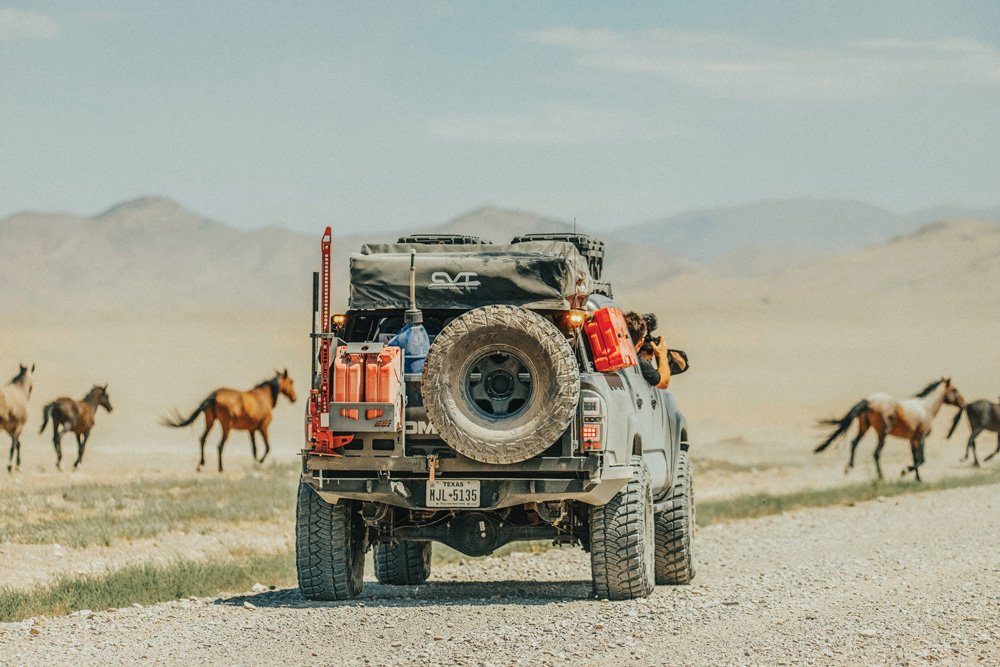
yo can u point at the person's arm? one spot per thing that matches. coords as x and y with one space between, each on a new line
649 374
662 363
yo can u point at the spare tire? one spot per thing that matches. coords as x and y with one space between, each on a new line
500 384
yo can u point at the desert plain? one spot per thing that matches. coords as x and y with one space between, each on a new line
778 338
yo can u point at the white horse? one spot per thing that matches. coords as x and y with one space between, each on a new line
14 411
909 419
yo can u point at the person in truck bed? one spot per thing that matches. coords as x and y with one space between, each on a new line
657 375
657 362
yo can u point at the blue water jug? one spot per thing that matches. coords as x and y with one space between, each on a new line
415 343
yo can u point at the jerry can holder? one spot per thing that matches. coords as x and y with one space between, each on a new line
364 348
391 418
390 421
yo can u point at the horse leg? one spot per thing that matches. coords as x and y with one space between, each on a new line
57 445
997 451
209 422
222 443
878 452
10 457
253 445
863 425
923 459
267 442
81 444
915 451
972 446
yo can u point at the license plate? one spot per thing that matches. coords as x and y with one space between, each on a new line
453 493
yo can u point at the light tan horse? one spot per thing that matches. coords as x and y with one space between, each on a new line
14 411
909 419
240 410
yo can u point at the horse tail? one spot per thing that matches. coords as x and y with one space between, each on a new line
954 424
178 421
46 413
842 424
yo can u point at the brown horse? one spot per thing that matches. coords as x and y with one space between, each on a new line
240 410
14 410
983 416
909 419
76 416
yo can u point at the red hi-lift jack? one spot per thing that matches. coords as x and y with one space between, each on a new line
319 436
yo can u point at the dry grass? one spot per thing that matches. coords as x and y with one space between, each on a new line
102 513
763 504
148 584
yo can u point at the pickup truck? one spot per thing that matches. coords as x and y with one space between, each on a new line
476 394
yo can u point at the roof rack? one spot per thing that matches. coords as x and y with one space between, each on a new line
590 248
442 239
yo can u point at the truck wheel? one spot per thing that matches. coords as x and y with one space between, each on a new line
329 548
675 528
622 542
500 384
403 564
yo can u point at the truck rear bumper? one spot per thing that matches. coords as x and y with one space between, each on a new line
497 491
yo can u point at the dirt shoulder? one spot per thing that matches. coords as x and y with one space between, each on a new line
910 580
29 565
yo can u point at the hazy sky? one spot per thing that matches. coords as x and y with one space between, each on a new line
301 113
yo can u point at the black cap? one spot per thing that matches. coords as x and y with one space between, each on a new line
413 316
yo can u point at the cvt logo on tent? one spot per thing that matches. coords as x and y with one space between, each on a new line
463 281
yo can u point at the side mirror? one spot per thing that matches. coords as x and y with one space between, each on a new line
678 361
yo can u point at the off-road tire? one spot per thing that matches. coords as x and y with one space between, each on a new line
403 563
329 548
546 354
622 541
675 529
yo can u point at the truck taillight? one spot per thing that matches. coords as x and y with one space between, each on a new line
590 434
592 422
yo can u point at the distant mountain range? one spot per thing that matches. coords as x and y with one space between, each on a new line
152 254
817 225
146 254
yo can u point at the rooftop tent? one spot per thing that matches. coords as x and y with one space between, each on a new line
542 275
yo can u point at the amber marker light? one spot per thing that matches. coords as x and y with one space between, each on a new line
576 319
339 321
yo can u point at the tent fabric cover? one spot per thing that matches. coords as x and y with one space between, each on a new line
544 275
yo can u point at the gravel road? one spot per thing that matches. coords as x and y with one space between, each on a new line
911 580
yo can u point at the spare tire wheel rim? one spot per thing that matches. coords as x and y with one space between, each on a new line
498 384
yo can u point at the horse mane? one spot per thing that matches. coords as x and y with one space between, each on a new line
271 384
928 389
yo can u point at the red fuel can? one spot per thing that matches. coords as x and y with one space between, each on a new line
383 376
609 340
348 380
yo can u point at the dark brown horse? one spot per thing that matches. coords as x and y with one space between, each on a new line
983 416
240 410
909 419
76 416
14 411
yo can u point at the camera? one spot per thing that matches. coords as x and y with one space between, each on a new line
651 324
651 340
